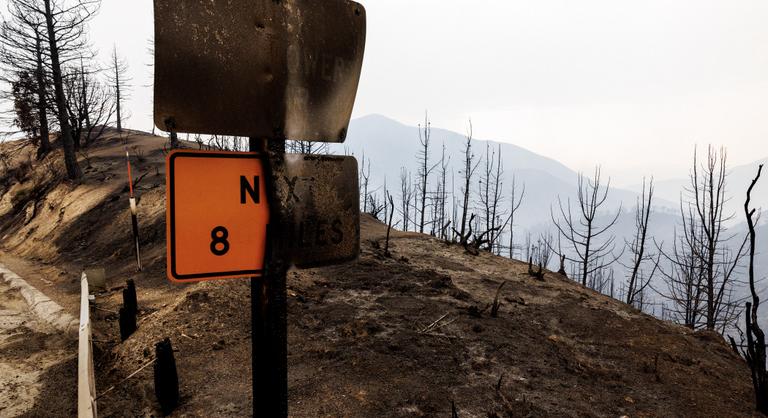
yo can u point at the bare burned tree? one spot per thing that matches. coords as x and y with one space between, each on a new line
65 22
556 250
223 142
707 190
389 222
702 282
454 207
23 64
425 169
516 200
479 239
582 232
484 189
638 280
540 251
64 34
307 147
406 194
375 206
684 278
755 350
440 221
497 213
118 78
601 277
199 141
385 202
365 176
90 105
239 143
468 171
491 193
528 241
220 142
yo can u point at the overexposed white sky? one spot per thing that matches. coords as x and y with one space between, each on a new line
631 85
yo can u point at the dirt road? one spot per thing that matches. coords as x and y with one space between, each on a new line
29 350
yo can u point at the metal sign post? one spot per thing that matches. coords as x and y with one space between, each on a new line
269 310
268 70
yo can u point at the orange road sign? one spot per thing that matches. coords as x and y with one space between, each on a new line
217 215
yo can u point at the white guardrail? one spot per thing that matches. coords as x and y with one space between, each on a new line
86 382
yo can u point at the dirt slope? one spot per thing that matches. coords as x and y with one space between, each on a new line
357 340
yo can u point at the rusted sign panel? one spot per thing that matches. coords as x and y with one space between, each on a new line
263 68
320 193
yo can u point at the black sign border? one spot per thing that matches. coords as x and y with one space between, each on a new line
172 214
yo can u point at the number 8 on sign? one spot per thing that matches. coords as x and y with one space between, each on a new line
219 237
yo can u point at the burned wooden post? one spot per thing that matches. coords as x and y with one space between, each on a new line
561 271
129 311
130 302
166 377
127 323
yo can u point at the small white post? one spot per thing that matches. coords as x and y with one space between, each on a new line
86 382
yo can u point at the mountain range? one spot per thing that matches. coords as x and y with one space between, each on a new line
389 146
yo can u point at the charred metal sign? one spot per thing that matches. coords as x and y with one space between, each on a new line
260 68
321 197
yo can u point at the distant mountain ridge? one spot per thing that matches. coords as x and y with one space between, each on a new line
737 182
376 131
389 145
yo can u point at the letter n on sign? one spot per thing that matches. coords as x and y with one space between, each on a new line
216 215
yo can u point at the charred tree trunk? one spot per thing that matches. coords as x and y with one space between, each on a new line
45 142
755 352
638 246
468 170
70 158
389 222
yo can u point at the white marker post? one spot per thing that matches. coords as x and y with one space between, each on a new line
134 218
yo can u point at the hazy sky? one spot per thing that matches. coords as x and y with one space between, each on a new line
632 85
